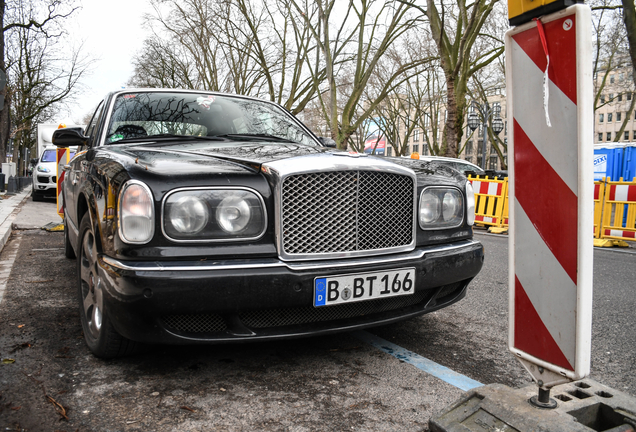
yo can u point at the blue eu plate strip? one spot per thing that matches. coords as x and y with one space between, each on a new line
320 292
430 367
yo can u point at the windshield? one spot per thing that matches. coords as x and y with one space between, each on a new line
48 156
140 115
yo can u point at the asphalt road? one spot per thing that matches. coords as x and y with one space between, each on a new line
327 383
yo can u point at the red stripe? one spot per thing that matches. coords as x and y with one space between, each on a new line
479 218
612 194
631 193
547 200
531 334
597 190
562 49
483 188
629 234
499 187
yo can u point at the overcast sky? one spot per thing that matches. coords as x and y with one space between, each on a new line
112 33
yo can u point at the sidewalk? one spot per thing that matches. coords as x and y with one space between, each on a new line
20 212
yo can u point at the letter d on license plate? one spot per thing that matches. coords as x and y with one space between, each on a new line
332 290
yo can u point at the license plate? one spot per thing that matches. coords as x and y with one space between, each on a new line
333 290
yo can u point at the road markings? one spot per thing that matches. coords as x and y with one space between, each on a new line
430 367
9 252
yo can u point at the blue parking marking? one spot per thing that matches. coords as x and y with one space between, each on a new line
320 292
430 367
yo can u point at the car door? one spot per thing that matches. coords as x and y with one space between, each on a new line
71 187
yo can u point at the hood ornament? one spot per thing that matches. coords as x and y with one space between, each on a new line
352 154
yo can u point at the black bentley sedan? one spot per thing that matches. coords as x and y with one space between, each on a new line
200 217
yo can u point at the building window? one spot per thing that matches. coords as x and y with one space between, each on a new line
478 160
602 98
601 117
493 162
620 97
416 148
600 136
626 136
609 117
469 148
621 76
629 96
611 96
609 136
611 79
618 116
388 151
416 135
424 149
634 135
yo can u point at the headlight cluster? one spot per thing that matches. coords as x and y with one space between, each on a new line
43 169
214 214
440 207
136 213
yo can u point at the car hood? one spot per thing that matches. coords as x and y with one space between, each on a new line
246 157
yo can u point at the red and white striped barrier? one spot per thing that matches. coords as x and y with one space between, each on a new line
62 159
550 192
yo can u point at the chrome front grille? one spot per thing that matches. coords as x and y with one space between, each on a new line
346 211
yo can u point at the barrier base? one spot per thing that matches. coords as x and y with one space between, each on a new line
498 230
53 226
610 243
582 406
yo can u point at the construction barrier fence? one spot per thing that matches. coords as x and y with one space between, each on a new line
614 208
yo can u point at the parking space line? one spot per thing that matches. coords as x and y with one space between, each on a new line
430 367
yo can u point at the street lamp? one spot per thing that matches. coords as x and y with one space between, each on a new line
475 120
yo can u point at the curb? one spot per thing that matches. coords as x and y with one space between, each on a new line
6 227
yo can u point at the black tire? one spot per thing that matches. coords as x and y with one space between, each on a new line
35 196
68 248
100 335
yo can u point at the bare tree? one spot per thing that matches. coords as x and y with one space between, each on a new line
456 27
20 17
352 39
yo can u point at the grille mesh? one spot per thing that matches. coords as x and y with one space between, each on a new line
202 323
302 315
349 211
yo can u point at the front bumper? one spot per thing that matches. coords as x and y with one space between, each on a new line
240 300
44 184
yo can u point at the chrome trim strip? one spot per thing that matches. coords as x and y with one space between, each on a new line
213 240
157 266
72 225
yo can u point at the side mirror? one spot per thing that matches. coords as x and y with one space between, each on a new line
69 137
34 161
327 142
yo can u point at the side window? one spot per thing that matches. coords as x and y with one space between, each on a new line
91 130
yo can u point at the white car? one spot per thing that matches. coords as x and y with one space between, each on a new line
45 175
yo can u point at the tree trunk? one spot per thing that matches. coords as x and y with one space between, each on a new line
449 144
5 121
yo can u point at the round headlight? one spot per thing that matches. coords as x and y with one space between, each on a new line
450 205
233 214
188 215
429 208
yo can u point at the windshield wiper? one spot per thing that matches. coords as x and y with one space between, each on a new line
256 137
168 137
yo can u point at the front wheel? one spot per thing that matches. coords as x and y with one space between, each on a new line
100 335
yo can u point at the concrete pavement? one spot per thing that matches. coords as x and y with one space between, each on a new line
19 212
